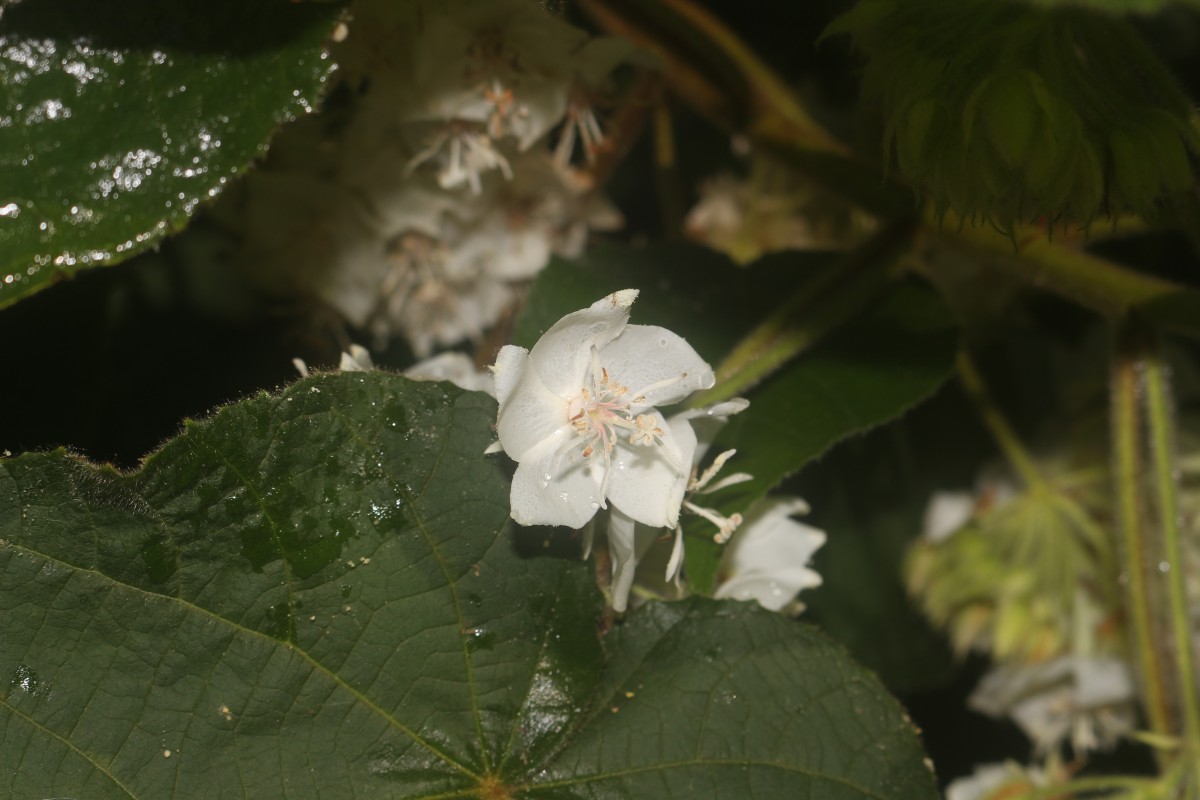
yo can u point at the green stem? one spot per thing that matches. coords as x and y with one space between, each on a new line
1127 473
1166 477
818 306
997 425
1103 286
670 197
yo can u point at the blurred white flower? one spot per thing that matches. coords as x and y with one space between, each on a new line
464 156
505 64
577 413
1089 701
356 359
767 559
996 782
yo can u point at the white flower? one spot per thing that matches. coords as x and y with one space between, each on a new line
628 542
419 207
577 413
457 368
767 559
1088 699
1007 780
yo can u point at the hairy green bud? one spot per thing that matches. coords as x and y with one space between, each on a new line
1010 112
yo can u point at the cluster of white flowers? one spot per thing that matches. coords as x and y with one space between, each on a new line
1082 692
459 195
579 414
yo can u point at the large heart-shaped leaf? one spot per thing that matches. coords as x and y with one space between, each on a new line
315 594
118 119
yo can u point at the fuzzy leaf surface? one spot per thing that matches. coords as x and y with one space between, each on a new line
317 594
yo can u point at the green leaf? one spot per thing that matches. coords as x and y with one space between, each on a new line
873 371
315 594
720 699
116 123
696 292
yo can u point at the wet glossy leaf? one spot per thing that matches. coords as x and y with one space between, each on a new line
116 123
316 594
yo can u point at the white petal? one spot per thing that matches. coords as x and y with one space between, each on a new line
457 368
358 359
656 363
589 533
767 560
675 562
719 411
683 435
946 513
569 496
772 591
1102 681
621 546
769 539
563 354
647 482
529 415
511 362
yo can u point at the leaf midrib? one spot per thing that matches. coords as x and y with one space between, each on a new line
333 677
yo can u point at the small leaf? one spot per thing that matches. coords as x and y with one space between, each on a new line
315 594
117 123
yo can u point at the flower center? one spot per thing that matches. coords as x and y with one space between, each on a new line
603 411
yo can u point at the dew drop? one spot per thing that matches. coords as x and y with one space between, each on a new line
564 496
